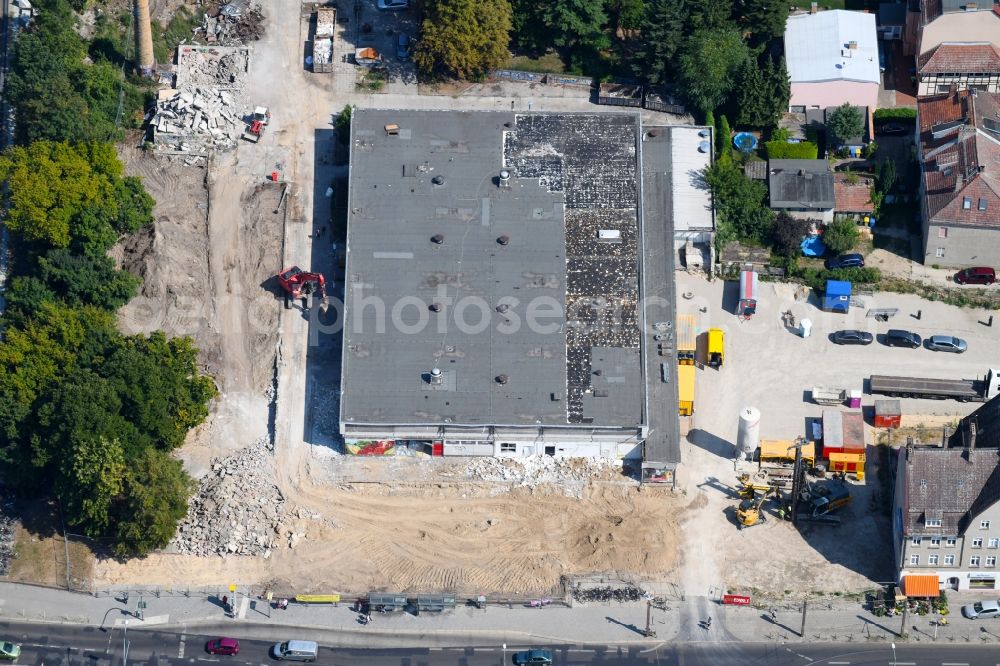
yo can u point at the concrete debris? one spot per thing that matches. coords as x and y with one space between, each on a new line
238 509
571 473
234 23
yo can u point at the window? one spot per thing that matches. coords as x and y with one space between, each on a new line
933 522
977 543
914 559
994 543
991 561
942 232
508 447
974 561
984 524
982 204
967 203
939 252
935 542
950 542
932 559
949 560
915 541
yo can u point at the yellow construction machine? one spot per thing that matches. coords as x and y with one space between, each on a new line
749 513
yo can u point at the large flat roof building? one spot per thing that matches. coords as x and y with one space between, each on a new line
494 282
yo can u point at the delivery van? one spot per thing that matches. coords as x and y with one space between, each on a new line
295 651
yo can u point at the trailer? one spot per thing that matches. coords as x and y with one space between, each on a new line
963 390
685 390
367 57
828 396
715 347
687 340
747 305
322 46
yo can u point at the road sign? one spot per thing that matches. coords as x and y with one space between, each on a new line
232 588
735 600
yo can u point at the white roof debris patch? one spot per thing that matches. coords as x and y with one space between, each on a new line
833 45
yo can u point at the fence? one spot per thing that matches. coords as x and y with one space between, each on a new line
547 79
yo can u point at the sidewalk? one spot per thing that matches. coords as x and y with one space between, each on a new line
833 620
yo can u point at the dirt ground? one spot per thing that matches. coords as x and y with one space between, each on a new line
462 537
206 268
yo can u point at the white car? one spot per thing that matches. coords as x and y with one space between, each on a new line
392 5
981 610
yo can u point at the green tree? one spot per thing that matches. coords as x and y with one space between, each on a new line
724 139
92 477
87 280
627 14
560 23
762 20
787 234
846 122
463 38
343 125
660 36
708 64
154 499
841 236
740 204
762 95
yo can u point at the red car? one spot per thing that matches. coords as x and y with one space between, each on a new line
223 646
978 275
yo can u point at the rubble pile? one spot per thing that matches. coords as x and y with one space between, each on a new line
208 108
536 470
234 23
238 510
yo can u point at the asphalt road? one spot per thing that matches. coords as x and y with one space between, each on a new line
73 645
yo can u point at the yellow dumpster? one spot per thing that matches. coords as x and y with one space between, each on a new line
685 389
716 351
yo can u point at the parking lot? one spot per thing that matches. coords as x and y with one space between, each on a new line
770 367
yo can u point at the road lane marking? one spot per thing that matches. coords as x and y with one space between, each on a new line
180 649
581 650
802 656
954 663
838 663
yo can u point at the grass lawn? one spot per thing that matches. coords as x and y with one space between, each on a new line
550 62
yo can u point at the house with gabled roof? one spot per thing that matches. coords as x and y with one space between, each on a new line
960 178
946 519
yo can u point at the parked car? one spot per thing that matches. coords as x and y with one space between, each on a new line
403 47
392 5
845 261
889 129
895 337
977 275
9 650
533 657
295 651
852 338
223 646
981 610
946 343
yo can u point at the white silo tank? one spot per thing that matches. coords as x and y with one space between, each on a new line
748 436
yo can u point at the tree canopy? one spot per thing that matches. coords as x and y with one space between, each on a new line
463 38
841 236
740 203
846 122
708 64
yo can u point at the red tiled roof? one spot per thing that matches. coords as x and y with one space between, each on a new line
961 58
852 198
962 162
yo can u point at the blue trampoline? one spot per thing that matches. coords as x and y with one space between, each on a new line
745 142
813 246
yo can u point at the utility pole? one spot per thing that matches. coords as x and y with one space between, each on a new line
649 620
802 632
125 645
902 626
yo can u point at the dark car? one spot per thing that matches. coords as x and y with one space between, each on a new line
895 337
889 129
223 646
845 261
977 275
532 657
403 47
852 338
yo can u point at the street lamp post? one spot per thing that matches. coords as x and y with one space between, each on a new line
125 645
504 655
893 646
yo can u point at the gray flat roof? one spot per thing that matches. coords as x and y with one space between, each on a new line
427 213
800 184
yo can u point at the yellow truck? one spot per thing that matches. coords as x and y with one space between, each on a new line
685 390
687 340
715 349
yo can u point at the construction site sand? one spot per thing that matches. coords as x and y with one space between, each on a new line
444 538
216 240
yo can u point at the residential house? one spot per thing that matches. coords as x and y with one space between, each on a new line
946 519
980 429
832 58
891 20
852 196
802 188
817 119
959 66
960 182
957 43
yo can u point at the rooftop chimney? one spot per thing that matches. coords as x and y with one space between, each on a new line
436 377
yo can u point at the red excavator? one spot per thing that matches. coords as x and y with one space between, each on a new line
299 284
